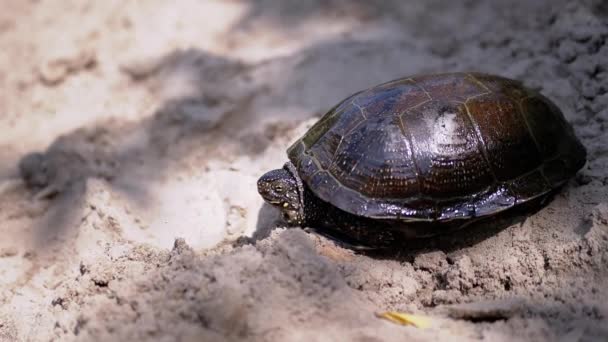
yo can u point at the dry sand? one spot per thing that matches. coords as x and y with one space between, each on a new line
154 119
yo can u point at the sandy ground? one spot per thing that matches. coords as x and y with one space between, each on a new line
143 126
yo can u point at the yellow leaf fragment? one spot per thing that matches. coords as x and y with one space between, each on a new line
418 321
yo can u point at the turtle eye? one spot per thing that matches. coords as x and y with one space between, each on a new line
278 188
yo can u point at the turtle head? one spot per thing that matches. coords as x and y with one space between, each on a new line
281 189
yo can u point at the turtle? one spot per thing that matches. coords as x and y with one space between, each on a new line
423 155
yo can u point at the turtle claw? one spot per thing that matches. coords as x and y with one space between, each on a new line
47 192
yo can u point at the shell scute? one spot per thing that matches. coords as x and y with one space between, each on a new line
392 98
505 133
446 150
546 123
374 159
451 87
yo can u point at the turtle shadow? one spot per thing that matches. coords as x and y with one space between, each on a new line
128 156
465 237
269 219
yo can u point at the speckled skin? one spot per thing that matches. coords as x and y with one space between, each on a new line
433 149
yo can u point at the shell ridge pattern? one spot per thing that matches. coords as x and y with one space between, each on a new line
546 159
408 140
345 188
383 163
481 144
320 169
333 158
354 102
416 84
520 111
480 83
327 172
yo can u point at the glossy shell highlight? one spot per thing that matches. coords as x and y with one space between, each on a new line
438 148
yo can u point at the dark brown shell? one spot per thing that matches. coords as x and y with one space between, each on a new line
437 148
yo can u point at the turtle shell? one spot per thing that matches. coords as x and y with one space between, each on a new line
438 148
